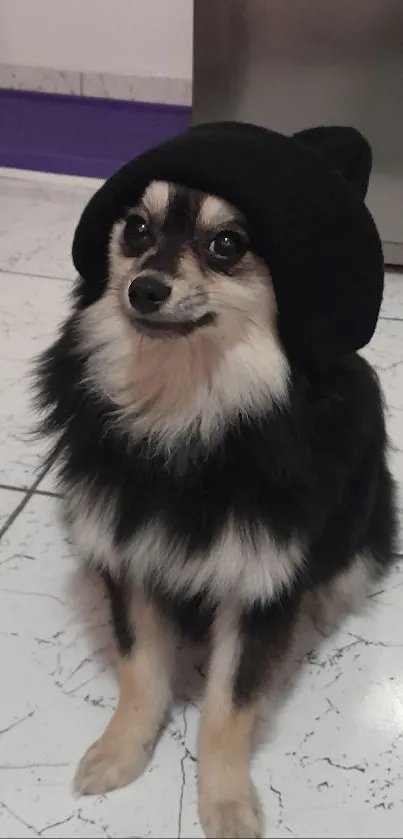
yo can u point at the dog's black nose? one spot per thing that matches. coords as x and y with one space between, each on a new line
147 294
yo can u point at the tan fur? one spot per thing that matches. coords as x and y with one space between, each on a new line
123 751
215 211
228 804
155 199
168 372
233 367
174 387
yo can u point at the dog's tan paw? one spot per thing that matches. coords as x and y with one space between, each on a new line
109 764
233 819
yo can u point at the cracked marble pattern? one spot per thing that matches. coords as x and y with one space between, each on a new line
37 221
331 762
9 501
30 307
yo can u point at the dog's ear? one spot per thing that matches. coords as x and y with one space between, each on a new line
346 149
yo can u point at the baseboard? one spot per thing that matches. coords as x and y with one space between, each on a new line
158 89
79 135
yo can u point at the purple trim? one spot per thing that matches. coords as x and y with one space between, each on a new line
76 135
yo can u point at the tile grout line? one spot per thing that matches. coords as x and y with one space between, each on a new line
37 276
389 317
47 493
23 503
13 488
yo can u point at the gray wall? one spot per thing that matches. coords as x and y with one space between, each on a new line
292 64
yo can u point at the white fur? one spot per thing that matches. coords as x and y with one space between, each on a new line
250 572
252 376
91 524
215 211
351 587
348 591
156 199
247 570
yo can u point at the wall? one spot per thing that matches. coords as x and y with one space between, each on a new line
144 38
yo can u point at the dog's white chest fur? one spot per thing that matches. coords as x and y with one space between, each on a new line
253 570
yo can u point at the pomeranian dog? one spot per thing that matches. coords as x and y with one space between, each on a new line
210 478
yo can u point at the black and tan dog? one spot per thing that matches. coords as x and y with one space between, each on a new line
221 446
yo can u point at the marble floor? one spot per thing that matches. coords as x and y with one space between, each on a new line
333 763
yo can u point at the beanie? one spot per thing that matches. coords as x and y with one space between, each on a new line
303 199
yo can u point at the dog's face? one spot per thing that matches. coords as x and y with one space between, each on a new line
183 262
188 318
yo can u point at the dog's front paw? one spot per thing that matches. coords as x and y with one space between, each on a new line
109 764
239 818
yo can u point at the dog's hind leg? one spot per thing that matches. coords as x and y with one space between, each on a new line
146 646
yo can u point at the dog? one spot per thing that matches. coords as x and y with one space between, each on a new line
209 479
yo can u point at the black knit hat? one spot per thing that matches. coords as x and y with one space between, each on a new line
303 198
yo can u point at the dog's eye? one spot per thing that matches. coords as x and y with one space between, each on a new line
136 233
227 246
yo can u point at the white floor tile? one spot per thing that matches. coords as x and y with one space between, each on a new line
37 222
9 500
30 310
392 306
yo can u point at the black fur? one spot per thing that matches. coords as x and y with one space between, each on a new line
227 520
264 633
119 591
177 229
314 469
310 471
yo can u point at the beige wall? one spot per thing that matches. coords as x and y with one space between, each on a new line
147 38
